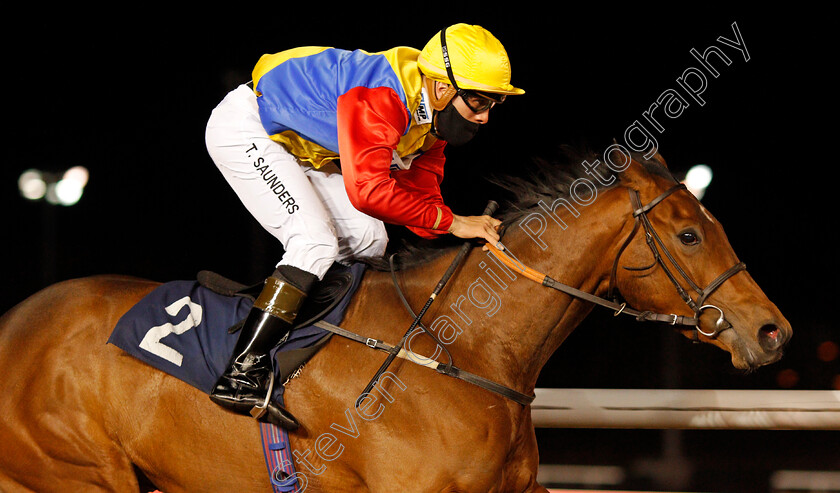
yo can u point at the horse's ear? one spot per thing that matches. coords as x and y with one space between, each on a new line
661 160
629 176
635 175
656 156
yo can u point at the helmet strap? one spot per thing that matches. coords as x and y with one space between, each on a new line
445 52
440 103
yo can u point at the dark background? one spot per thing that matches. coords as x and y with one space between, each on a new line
128 96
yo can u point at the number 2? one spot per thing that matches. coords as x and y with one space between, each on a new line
151 341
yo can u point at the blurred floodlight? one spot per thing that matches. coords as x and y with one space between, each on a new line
698 179
32 185
69 188
68 192
35 185
76 174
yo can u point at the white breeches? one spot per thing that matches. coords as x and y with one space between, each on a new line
306 209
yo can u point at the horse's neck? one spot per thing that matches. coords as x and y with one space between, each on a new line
508 326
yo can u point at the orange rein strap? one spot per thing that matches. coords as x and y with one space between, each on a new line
545 280
516 265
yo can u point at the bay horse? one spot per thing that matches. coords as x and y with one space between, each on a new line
81 415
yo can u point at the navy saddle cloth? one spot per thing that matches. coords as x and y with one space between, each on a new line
182 328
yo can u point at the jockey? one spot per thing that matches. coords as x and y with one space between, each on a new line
323 146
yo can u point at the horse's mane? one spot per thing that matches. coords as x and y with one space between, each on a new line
546 181
549 180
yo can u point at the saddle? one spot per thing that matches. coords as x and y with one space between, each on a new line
325 295
188 328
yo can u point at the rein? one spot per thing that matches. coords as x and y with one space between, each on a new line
653 239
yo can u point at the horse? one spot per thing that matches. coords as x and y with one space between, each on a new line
79 414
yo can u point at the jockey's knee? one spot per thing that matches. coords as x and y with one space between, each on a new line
371 240
316 255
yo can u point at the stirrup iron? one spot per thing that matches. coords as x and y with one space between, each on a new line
259 411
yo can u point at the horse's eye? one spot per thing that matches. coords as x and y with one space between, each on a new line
688 238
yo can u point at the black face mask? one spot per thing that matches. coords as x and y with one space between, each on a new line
450 126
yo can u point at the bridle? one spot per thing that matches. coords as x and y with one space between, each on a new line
653 239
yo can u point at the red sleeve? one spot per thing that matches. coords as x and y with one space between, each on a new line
370 124
424 177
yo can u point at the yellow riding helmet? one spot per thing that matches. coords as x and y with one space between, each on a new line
477 62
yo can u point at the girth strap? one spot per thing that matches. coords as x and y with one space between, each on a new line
447 369
454 371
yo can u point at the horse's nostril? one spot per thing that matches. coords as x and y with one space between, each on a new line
771 337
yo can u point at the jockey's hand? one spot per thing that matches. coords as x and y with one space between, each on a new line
484 227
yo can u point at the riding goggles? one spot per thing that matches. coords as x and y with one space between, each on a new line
479 102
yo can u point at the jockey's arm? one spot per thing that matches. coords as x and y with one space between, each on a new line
425 177
370 124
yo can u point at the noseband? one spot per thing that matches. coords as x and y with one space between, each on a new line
641 220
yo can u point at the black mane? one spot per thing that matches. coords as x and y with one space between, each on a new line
546 181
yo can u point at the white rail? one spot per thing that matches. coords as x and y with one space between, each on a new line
687 409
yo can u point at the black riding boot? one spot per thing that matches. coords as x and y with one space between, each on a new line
247 384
